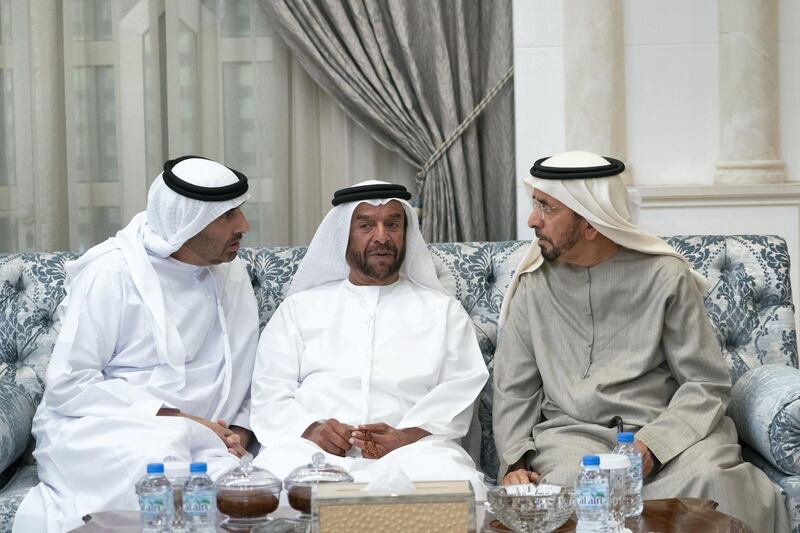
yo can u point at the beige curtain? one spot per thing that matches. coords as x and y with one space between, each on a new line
95 94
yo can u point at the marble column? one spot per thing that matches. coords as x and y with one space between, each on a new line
748 93
594 77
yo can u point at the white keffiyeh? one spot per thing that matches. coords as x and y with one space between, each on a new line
603 202
170 220
325 260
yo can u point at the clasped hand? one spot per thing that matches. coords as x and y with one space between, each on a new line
374 440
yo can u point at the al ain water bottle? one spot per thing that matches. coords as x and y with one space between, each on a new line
155 500
591 497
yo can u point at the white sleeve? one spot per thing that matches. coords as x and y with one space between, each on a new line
447 409
275 413
91 323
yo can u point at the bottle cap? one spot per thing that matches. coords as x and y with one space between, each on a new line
591 460
625 436
198 468
155 468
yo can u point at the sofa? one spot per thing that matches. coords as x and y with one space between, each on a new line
748 301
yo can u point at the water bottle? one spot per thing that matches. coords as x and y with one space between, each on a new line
199 500
591 497
633 481
155 500
177 472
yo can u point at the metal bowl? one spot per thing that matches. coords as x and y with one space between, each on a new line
532 508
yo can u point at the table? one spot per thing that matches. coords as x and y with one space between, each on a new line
673 515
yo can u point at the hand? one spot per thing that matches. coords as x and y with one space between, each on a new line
647 458
376 440
237 440
330 435
228 436
518 474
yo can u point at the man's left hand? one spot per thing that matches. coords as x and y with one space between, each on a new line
647 458
376 440
237 440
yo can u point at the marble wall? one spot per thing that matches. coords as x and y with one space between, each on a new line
671 91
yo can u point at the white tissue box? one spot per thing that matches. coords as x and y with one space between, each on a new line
432 507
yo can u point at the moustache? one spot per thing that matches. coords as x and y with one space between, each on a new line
541 237
382 248
236 237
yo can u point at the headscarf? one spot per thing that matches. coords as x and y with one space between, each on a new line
602 201
170 220
325 260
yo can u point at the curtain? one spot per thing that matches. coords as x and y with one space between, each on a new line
410 72
96 94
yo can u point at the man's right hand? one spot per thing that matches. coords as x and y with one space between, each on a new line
228 436
330 435
519 474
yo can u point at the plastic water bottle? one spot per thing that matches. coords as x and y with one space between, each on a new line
155 500
177 472
199 500
633 482
591 493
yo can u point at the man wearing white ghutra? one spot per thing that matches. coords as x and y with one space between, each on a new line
368 359
602 321
155 353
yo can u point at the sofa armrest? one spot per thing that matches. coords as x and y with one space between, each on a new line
765 406
16 415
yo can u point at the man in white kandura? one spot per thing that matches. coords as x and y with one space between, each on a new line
368 359
154 357
604 321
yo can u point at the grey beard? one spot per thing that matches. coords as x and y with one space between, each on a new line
359 262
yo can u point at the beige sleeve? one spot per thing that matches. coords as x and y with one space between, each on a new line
695 360
517 385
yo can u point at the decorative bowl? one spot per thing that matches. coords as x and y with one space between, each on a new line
532 508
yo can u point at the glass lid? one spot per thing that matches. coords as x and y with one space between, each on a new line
318 471
246 476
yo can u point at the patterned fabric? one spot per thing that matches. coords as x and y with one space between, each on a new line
31 286
12 494
271 271
749 299
765 405
791 487
749 303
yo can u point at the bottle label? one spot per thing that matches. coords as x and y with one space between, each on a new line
153 505
198 503
592 496
636 467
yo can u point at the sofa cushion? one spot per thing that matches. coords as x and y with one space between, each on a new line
12 494
271 271
749 297
765 405
31 287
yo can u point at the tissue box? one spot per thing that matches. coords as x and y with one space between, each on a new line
432 507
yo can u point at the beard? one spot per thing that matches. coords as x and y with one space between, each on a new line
566 241
360 260
209 250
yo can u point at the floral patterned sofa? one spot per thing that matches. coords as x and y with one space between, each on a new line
749 302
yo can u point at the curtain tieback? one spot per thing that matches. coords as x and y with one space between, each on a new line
420 175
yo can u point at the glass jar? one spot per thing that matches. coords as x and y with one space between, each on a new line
247 494
300 481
